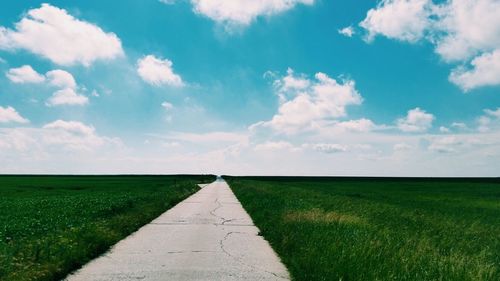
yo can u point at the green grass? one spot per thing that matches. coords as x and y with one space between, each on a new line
51 225
378 229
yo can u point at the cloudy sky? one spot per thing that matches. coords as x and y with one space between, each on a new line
288 87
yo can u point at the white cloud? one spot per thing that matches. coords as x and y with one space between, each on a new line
417 120
210 137
291 82
73 135
308 103
16 140
58 78
167 105
73 127
494 113
373 153
467 27
332 129
35 148
483 124
168 2
485 71
489 121
242 12
444 145
24 74
461 143
329 147
158 72
402 147
404 20
360 125
172 144
9 114
444 129
61 79
67 96
347 31
52 33
459 125
463 31
274 145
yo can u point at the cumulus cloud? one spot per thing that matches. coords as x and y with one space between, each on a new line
67 93
347 31
71 126
308 103
54 34
292 82
67 96
73 135
24 74
490 120
467 28
61 78
404 20
242 12
417 120
157 72
9 114
360 125
462 31
484 71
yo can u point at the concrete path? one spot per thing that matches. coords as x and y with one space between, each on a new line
208 236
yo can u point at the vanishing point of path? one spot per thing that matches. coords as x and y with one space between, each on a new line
208 236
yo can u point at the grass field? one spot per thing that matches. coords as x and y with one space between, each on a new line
378 229
51 225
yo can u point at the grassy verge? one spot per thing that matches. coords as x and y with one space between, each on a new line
378 229
51 225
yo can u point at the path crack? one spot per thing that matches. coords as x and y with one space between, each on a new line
221 243
230 220
219 205
194 251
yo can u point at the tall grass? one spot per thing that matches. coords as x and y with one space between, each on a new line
51 225
378 229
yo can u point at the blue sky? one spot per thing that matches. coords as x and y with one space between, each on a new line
309 87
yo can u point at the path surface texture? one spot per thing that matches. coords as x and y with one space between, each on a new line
208 236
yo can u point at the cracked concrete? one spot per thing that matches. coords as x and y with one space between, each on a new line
208 236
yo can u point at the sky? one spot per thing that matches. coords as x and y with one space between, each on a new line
251 87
